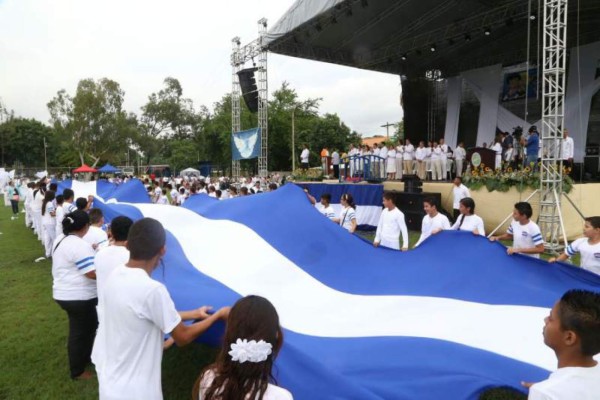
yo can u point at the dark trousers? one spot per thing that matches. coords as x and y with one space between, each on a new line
83 322
15 206
336 171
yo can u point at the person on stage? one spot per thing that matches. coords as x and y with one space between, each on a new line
459 192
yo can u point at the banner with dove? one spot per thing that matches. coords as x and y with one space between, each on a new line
245 144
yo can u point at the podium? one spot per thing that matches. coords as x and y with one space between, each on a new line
480 155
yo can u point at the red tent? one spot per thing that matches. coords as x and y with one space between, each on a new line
85 168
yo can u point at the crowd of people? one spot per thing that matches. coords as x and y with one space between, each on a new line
118 316
435 160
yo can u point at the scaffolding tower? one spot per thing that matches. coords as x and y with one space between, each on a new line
236 92
553 101
239 56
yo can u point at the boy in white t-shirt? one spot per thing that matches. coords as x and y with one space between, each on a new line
433 221
95 235
110 257
588 246
134 318
572 330
325 207
526 235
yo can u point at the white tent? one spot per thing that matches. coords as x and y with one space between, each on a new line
190 172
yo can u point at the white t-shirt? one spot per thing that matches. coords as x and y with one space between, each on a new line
47 218
162 200
96 236
590 254
440 221
459 193
129 344
326 211
72 258
391 224
420 154
525 236
68 208
60 215
273 392
470 223
304 155
107 260
346 216
569 383
38 199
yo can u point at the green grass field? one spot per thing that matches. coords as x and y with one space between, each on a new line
33 355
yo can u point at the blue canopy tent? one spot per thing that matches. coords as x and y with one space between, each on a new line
109 169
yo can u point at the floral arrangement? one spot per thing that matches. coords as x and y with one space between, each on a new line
311 174
502 180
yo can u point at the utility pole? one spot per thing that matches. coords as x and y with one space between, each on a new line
293 140
45 156
387 127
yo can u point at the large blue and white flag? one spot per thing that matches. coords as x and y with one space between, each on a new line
132 191
368 200
245 144
445 321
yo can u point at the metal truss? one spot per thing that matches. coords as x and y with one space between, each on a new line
263 99
236 92
553 109
239 56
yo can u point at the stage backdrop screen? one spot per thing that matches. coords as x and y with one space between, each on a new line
515 85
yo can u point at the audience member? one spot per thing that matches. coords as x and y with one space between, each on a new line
572 331
244 366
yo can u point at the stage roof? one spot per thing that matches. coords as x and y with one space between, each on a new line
396 36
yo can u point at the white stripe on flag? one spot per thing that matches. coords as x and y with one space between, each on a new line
83 189
308 307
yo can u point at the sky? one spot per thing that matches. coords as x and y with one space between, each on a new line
49 45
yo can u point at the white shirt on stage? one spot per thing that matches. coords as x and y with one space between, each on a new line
459 193
408 152
440 221
568 383
391 224
460 153
568 148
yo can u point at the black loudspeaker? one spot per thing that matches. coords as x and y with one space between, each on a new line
249 88
412 184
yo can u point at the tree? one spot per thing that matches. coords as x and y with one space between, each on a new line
166 115
23 142
398 131
93 119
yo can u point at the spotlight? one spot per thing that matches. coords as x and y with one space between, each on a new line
533 16
467 37
432 48
404 57
487 31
